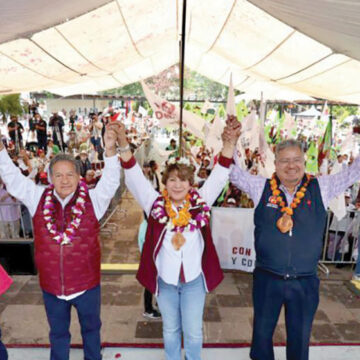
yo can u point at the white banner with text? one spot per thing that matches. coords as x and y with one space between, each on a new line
233 235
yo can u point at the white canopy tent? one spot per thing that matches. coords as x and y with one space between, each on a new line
312 112
85 46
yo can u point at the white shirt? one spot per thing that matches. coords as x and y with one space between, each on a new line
168 261
26 191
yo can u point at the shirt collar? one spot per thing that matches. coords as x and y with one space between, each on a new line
65 201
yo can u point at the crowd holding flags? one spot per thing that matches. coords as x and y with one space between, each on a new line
261 130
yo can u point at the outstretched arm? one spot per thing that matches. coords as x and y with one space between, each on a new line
110 179
333 185
136 182
18 185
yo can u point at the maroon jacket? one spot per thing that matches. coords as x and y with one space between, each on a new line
67 269
147 273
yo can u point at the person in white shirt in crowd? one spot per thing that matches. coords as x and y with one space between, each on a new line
179 263
9 215
95 128
73 143
82 133
66 218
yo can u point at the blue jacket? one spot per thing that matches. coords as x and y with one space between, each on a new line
286 255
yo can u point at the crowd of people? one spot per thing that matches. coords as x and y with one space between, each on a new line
32 142
58 179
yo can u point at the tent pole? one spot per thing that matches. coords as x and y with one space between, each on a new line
181 73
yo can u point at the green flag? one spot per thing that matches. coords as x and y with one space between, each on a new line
326 142
312 159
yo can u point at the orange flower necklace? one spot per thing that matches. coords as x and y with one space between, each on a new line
183 217
286 223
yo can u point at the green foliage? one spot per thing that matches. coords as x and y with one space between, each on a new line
188 106
166 84
135 106
10 105
241 110
134 89
222 111
342 112
204 88
312 159
48 94
147 107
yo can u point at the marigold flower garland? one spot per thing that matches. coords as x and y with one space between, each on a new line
181 221
77 210
285 223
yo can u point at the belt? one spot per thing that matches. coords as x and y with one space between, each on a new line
283 276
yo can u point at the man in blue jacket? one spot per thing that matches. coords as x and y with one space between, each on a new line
290 218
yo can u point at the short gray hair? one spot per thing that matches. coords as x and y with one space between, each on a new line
288 143
64 157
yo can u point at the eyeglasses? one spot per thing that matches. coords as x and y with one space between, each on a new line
286 161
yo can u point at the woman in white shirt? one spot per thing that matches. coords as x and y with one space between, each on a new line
179 263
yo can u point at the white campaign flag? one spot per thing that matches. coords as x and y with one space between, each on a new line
262 141
168 114
347 143
230 105
250 130
213 138
164 111
193 123
289 124
269 164
239 155
325 113
266 154
337 205
207 105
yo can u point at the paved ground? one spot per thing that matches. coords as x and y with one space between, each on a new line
316 353
228 312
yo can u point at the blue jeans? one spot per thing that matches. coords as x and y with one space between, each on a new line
96 142
59 314
3 352
182 308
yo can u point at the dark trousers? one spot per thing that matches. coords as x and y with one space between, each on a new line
3 352
148 307
42 142
59 314
300 297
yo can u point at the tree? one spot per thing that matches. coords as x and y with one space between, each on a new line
10 105
342 112
134 89
167 85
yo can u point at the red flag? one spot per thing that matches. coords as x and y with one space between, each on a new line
115 116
